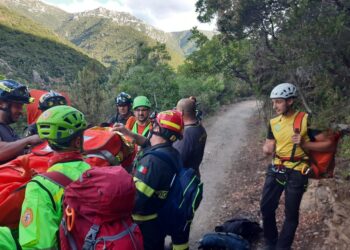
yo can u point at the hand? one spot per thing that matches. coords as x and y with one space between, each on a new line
34 139
119 127
296 139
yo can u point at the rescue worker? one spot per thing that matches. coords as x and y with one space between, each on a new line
191 147
13 96
141 123
153 177
123 103
285 175
62 126
46 101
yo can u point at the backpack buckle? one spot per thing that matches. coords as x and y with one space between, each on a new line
281 169
90 237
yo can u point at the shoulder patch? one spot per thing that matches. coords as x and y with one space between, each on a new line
27 217
142 169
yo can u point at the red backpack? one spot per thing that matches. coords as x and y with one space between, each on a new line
107 148
97 210
322 164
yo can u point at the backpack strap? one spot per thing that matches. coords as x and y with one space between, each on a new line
167 158
298 120
164 157
106 155
129 230
57 178
90 238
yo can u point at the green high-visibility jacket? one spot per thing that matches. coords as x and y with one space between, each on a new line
39 224
6 240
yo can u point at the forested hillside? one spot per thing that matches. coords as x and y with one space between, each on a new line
32 53
108 41
119 32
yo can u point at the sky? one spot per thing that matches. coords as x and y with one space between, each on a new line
166 15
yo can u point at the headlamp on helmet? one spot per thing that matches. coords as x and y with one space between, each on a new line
12 91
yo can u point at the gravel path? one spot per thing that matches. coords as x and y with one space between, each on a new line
226 133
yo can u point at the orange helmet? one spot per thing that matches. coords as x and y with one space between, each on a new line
171 124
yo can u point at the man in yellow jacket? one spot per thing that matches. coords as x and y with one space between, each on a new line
284 174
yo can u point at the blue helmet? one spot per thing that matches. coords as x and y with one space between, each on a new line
123 99
12 91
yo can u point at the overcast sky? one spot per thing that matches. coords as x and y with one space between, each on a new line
166 15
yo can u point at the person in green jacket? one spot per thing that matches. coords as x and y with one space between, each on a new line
62 126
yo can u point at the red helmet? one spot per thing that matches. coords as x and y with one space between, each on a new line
172 121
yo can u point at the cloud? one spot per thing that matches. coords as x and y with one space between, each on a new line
170 15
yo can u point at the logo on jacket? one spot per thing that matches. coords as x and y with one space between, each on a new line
27 217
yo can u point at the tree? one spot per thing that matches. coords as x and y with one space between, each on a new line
151 76
90 94
301 41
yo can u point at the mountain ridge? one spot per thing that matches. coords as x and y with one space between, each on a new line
65 24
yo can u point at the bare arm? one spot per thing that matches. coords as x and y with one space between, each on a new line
269 147
138 139
9 150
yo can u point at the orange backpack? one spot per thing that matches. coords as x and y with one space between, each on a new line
13 177
106 148
322 164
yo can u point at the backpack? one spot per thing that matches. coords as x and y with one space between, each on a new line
322 164
13 177
107 148
97 210
223 241
183 199
249 230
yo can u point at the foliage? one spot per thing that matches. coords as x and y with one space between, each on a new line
90 94
217 72
301 41
109 42
151 76
33 53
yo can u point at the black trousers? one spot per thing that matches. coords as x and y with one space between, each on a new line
154 236
294 184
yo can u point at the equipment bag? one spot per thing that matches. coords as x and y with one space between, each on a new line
249 230
223 241
322 164
183 199
110 146
13 177
97 212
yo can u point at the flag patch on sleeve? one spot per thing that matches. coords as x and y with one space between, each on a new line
142 169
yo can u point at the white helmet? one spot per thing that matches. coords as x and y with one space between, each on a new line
284 91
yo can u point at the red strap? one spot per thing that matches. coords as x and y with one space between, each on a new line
65 157
57 178
298 120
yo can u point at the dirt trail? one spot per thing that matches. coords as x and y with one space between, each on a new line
226 134
233 172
